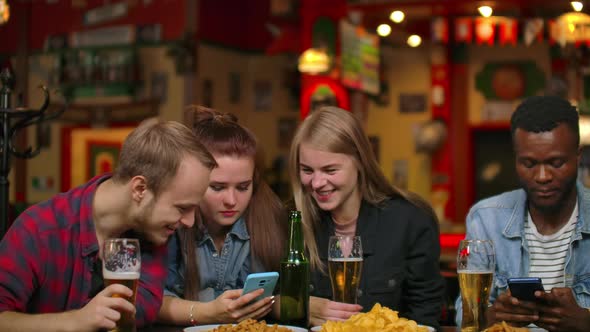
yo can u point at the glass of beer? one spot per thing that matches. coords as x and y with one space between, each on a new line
345 263
476 262
121 264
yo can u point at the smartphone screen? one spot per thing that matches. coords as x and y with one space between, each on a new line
524 288
265 280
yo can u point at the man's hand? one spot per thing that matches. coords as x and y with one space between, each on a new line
321 310
512 311
103 311
559 311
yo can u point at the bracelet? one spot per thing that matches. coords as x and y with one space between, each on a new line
191 317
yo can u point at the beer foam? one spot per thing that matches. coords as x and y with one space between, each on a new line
119 275
346 260
475 272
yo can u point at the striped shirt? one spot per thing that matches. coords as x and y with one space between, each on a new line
548 252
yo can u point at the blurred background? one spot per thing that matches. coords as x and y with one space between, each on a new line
433 81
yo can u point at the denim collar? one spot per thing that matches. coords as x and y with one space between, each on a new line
515 226
238 230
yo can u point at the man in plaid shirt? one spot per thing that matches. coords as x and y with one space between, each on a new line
50 258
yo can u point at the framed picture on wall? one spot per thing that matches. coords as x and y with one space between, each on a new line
234 88
87 152
262 96
400 173
207 93
412 103
286 130
159 86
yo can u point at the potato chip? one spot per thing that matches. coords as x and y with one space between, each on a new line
380 319
503 327
250 325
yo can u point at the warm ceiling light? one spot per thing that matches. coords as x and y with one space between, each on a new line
414 40
571 27
397 16
485 11
383 30
314 61
577 5
4 11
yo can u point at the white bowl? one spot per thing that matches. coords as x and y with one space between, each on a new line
203 328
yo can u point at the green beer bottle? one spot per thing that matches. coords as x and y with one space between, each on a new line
294 277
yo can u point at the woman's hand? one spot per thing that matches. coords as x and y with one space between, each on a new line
232 307
321 310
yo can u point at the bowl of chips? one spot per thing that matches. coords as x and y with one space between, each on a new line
379 319
504 327
248 325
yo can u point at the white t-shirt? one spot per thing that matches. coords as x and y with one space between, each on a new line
547 252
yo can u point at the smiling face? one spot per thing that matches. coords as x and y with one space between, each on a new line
547 166
176 204
229 192
331 179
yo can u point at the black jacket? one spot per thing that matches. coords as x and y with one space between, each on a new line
401 260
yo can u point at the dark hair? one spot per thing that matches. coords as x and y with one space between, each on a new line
265 216
155 150
544 113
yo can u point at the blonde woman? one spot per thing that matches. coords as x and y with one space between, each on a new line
340 189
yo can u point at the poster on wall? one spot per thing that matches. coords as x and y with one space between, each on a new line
234 88
400 173
360 58
262 96
412 103
87 152
207 93
286 127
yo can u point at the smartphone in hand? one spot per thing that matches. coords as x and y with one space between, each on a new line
524 288
265 280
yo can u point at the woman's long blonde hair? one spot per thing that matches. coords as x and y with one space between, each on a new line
335 130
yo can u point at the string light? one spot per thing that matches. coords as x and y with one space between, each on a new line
4 11
314 61
397 16
383 30
577 5
485 11
414 40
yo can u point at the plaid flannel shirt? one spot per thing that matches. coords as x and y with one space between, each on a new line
47 258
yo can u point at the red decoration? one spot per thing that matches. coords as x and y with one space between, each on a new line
508 31
484 31
440 30
463 33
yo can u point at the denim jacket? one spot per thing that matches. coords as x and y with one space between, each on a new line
501 218
219 271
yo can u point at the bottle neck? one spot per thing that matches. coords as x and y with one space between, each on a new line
296 235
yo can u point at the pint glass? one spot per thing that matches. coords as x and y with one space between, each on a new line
345 263
122 265
476 262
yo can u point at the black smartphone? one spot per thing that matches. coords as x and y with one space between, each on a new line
524 288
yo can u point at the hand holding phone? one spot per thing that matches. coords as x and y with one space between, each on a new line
524 288
265 280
